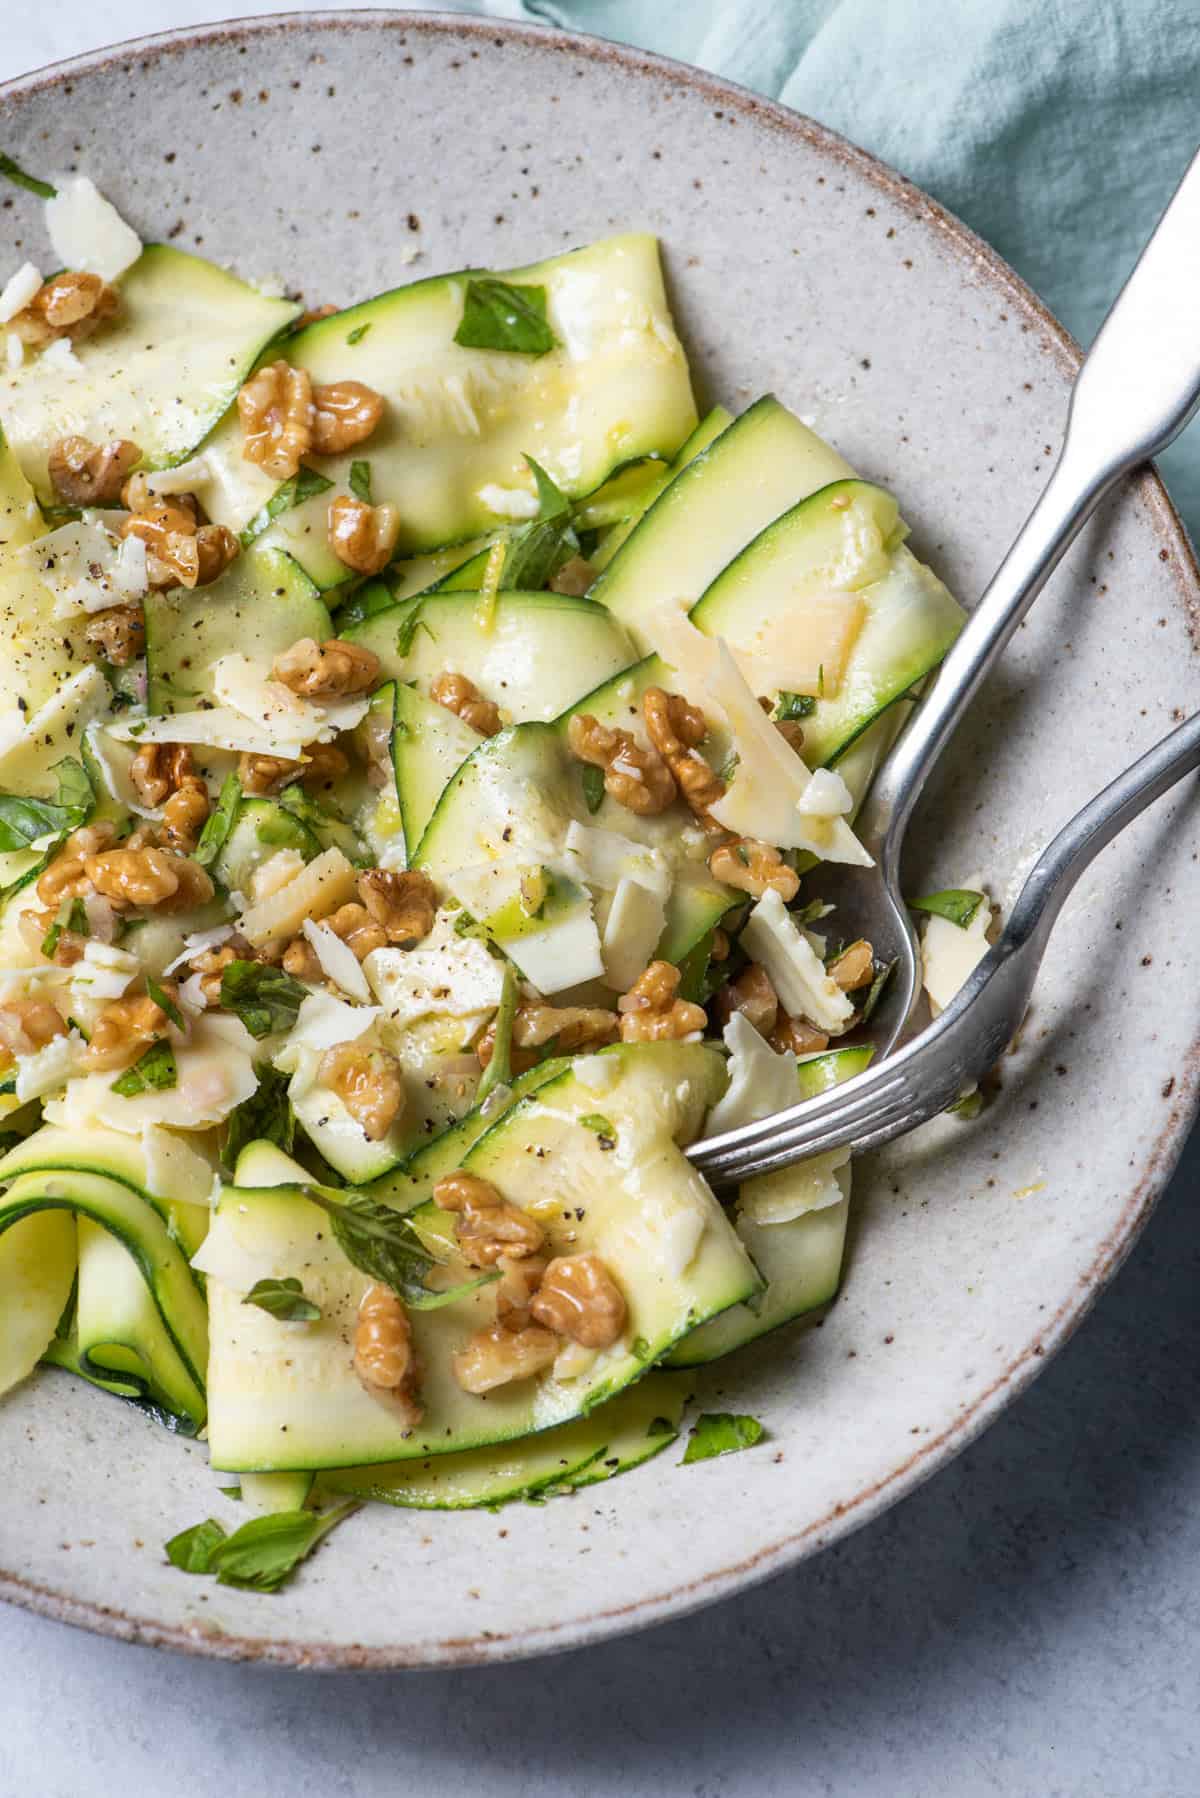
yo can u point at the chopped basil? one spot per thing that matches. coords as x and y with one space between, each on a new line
262 1553
498 316
700 975
466 925
265 999
882 976
153 1072
164 1001
219 822
75 790
192 1549
592 779
408 630
12 171
498 1071
383 1243
72 916
794 705
360 481
957 904
305 484
537 550
358 333
729 767
266 1116
23 821
595 1120
720 1433
283 1299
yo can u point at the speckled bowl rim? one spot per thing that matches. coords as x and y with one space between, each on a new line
1055 342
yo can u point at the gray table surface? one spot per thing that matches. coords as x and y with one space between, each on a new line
1026 1624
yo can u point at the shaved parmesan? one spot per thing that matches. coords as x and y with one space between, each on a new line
274 873
803 651
338 960
14 351
792 1192
322 1022
760 1081
175 1170
635 922
18 290
597 1072
604 858
950 954
566 953
185 477
80 564
212 1079
104 971
826 795
445 976
54 727
772 937
248 688
50 1067
223 1257
87 232
319 888
198 943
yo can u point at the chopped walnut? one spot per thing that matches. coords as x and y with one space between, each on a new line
89 474
403 905
260 774
119 633
488 1226
369 1083
651 1012
385 1358
636 778
854 967
123 1030
675 728
184 814
571 1028
357 929
180 552
753 995
277 412
158 770
330 670
301 961
314 315
520 1277
210 964
579 1298
66 876
346 413
798 1035
498 1356
573 578
137 496
462 696
753 867
147 876
69 305
27 1025
362 537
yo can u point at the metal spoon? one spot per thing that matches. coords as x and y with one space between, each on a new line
1138 387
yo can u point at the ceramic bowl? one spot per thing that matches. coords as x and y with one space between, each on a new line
346 153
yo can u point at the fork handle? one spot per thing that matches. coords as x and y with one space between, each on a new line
1137 389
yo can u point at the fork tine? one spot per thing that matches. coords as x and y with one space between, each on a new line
827 1122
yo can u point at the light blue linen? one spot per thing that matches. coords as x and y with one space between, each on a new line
1056 128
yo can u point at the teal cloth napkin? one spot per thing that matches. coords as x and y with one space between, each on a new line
1056 128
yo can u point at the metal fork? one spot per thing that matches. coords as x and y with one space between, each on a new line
922 1079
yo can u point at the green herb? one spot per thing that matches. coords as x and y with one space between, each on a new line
408 630
466 925
358 333
264 998
552 501
192 1550
305 484
967 1106
283 1299
957 904
729 766
369 599
23 821
360 481
592 779
219 822
661 1426
794 705
153 1072
537 550
641 1348
498 1071
872 999
595 1120
12 171
164 1001
266 1116
72 916
498 316
720 1433
383 1243
50 940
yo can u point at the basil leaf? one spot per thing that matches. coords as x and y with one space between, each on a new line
153 1072
383 1243
305 484
700 975
876 993
265 999
408 630
283 1299
538 550
957 904
498 1071
720 1433
12 171
164 1002
794 705
358 333
264 1552
23 820
498 316
466 925
219 822
360 481
72 916
266 1116
192 1549
552 501
592 779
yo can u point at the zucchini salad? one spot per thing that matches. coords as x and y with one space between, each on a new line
420 738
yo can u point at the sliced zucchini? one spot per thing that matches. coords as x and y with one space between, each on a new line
432 572
266 1493
285 1396
41 653
428 744
616 1436
116 1156
706 432
161 373
37 1268
261 827
459 421
261 605
539 652
121 1337
754 470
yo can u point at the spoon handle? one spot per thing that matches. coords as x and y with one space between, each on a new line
1137 389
